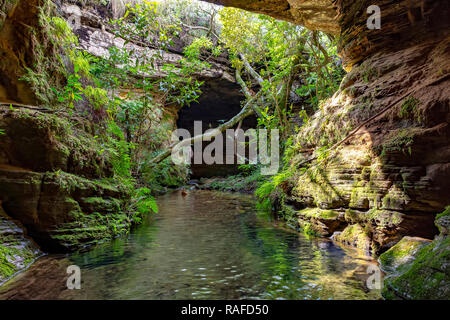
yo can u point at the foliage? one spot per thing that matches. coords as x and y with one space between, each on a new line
119 150
163 175
402 141
143 22
266 191
279 54
142 204
410 109
270 55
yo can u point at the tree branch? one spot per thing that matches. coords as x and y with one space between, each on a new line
250 70
245 112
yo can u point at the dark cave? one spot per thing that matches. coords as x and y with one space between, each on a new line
219 102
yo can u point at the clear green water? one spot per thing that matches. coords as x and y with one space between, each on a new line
207 245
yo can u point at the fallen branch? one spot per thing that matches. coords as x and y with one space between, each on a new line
246 111
24 106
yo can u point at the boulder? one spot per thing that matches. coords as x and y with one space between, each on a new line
419 269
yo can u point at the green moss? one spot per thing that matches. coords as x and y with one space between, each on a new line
351 216
13 258
68 140
288 213
368 72
307 228
401 141
401 253
316 183
354 235
409 109
91 229
445 213
7 268
443 221
384 218
235 183
427 277
101 204
319 213
71 182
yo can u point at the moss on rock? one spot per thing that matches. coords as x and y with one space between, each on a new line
427 277
443 221
16 251
402 253
420 270
356 236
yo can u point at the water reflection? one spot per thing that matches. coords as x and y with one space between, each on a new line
208 245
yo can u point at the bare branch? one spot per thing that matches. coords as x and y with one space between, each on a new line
245 112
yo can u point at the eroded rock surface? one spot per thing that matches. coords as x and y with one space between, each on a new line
17 251
392 176
419 270
313 14
17 19
52 180
96 37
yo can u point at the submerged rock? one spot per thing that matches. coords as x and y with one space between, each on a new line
321 222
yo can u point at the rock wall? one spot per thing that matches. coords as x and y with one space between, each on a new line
17 18
417 268
313 14
392 176
17 251
96 37
54 177
52 180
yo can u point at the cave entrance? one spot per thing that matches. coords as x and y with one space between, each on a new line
219 102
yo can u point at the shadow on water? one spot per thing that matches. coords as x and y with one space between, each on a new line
207 245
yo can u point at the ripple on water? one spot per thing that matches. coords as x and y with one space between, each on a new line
236 255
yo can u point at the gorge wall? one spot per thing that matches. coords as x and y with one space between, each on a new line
56 183
387 181
391 177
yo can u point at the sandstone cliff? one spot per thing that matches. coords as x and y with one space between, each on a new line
391 177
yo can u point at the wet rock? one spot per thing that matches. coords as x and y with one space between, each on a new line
62 211
17 251
321 222
427 276
355 236
402 253
49 181
417 268
443 222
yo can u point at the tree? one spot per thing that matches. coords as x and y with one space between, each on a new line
269 56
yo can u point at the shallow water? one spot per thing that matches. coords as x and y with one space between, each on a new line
207 245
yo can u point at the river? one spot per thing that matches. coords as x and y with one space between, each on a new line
206 245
